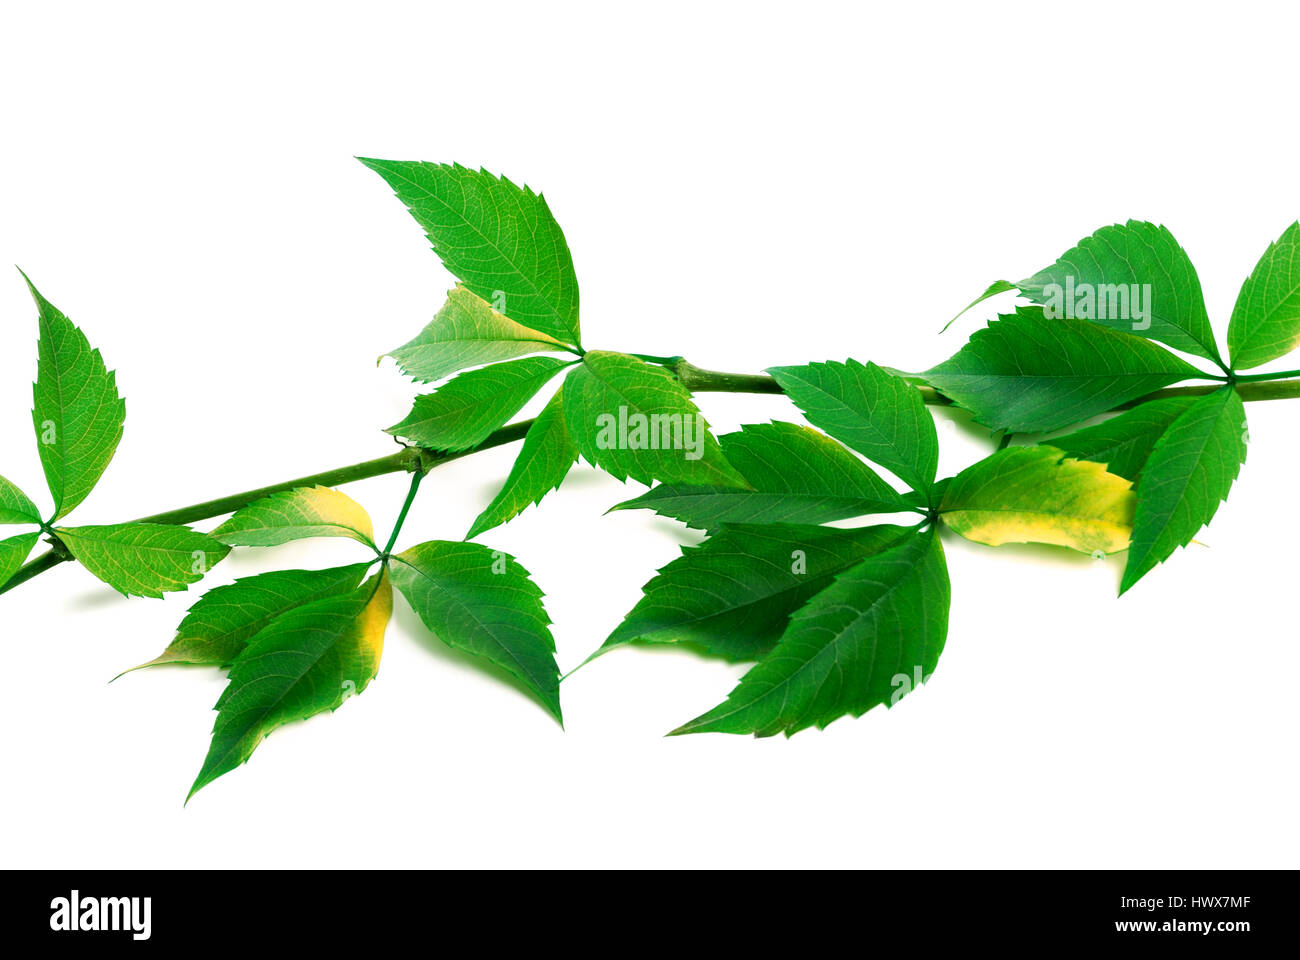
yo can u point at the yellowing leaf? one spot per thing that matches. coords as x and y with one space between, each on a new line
373 623
1035 495
467 332
297 515
306 661
500 240
218 628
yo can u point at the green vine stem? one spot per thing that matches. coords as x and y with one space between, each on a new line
1255 387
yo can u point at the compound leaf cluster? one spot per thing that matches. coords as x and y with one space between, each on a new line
822 564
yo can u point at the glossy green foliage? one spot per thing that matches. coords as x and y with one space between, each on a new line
1027 372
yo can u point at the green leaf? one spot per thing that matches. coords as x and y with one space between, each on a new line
797 474
859 643
921 502
462 412
541 466
482 601
994 288
1123 443
218 628
467 332
1027 373
1034 495
874 412
1108 264
297 515
14 553
734 593
634 420
143 559
77 413
304 662
1265 322
1187 476
498 239
15 507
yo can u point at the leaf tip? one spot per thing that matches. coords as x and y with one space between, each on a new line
31 287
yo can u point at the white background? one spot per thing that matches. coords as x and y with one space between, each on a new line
743 184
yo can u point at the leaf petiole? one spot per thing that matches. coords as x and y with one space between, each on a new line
1266 377
416 479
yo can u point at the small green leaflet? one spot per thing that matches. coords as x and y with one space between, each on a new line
1034 494
304 662
541 466
733 594
1027 373
1106 277
467 332
15 507
297 515
634 420
77 413
498 239
874 412
462 412
1265 322
218 628
862 641
482 601
143 559
790 459
1187 476
13 554
1123 443
994 288
797 474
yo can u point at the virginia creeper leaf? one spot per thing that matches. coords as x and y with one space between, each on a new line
1187 476
635 420
1108 264
304 662
467 332
482 601
1265 322
77 413
993 289
797 475
1029 373
462 412
1033 495
1123 443
856 644
498 239
874 412
297 515
14 553
548 453
144 559
15 507
734 593
218 628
